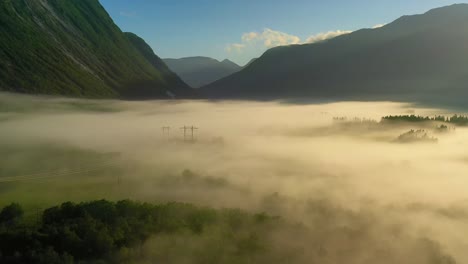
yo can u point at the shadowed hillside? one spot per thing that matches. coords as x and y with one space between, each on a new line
416 57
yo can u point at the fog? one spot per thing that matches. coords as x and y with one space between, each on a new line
347 192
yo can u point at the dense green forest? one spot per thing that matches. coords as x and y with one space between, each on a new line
101 230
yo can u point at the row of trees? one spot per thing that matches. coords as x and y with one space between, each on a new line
455 119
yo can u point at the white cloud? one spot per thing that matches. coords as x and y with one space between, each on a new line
378 26
267 39
235 47
252 44
326 35
249 36
270 38
273 38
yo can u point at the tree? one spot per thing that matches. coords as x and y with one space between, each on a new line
11 214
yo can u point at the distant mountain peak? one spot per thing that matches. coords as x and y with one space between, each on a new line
229 62
198 71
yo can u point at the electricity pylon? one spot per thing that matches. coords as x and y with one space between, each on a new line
192 129
166 131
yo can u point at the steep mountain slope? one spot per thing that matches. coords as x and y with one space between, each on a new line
250 62
199 71
176 87
418 56
73 48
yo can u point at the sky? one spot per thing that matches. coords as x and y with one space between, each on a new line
243 29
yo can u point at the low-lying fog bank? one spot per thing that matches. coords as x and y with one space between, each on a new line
364 196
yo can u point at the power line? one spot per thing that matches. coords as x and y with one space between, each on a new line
56 174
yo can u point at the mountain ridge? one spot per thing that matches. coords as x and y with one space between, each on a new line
73 48
199 70
388 62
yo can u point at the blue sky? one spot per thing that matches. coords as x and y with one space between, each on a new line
243 29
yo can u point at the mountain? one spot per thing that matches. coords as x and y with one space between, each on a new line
199 71
73 48
421 56
250 62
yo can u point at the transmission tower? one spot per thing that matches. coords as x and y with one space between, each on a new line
192 129
166 131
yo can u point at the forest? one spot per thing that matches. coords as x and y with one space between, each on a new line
99 230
